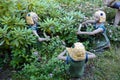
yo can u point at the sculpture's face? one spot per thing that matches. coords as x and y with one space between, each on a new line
97 18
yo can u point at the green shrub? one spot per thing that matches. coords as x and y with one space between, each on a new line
58 19
113 33
46 70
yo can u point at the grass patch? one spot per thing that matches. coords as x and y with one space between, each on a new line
105 66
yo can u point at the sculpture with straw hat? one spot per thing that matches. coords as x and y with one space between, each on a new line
76 59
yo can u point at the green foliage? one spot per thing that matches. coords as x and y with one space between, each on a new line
12 20
10 40
110 60
18 57
46 70
58 19
3 35
51 26
110 14
113 33
23 40
55 45
5 7
78 16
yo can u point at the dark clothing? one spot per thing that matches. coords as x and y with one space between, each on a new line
116 5
76 68
101 40
34 27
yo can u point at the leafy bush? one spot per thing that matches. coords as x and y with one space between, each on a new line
113 33
58 19
45 70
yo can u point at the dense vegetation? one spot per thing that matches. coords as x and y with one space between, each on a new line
59 19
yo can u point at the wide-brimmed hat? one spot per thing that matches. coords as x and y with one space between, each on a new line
101 15
31 18
78 52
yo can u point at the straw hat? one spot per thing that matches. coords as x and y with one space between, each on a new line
32 18
101 15
78 52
